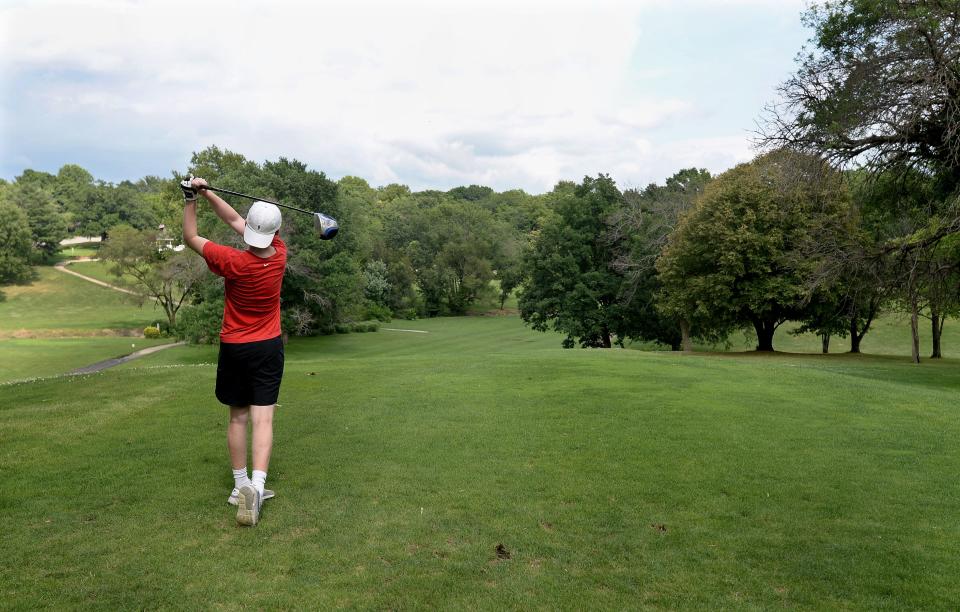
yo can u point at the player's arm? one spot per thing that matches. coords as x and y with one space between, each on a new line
190 237
220 206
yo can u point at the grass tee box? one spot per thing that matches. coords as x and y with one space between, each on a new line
479 466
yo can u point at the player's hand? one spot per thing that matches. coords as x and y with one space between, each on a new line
189 192
198 183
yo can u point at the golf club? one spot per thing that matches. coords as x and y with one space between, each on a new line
325 225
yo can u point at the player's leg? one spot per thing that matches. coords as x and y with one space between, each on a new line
266 390
237 444
262 417
237 436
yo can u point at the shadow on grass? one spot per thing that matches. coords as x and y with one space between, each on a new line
938 373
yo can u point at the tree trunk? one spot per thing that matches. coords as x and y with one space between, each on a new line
685 341
937 329
914 328
854 336
825 343
171 315
605 337
765 331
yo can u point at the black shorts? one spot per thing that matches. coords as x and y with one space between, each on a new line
250 372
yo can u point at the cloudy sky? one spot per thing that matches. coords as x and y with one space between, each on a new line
430 94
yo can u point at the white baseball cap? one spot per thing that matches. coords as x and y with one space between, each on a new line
263 221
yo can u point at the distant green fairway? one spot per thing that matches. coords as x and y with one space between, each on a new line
615 479
86 249
61 305
99 270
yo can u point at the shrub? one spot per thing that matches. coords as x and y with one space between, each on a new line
363 327
379 312
342 328
410 314
200 324
151 332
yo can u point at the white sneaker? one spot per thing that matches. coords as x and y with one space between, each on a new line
232 500
248 505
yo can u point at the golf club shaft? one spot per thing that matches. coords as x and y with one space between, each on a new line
243 195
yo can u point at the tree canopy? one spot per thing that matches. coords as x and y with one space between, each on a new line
571 285
881 83
741 256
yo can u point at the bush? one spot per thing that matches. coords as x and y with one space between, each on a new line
364 326
342 328
200 324
151 332
379 312
410 314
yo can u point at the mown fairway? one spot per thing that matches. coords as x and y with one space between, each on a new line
60 322
61 305
615 479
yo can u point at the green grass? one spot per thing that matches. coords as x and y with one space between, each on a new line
89 249
616 479
99 270
59 304
60 323
36 357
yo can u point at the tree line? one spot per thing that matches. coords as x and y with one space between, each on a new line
850 210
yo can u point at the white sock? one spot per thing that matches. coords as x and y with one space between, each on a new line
259 479
240 477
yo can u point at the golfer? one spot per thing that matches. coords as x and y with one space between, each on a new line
251 350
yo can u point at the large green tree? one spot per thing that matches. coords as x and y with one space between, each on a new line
881 83
450 244
15 245
740 258
570 284
73 191
453 255
108 205
47 224
638 233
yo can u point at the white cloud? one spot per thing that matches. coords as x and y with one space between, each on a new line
432 94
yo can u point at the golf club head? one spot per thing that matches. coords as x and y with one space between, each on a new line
326 226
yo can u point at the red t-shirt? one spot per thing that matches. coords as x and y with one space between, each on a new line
251 310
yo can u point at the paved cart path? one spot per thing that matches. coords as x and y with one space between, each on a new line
109 363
